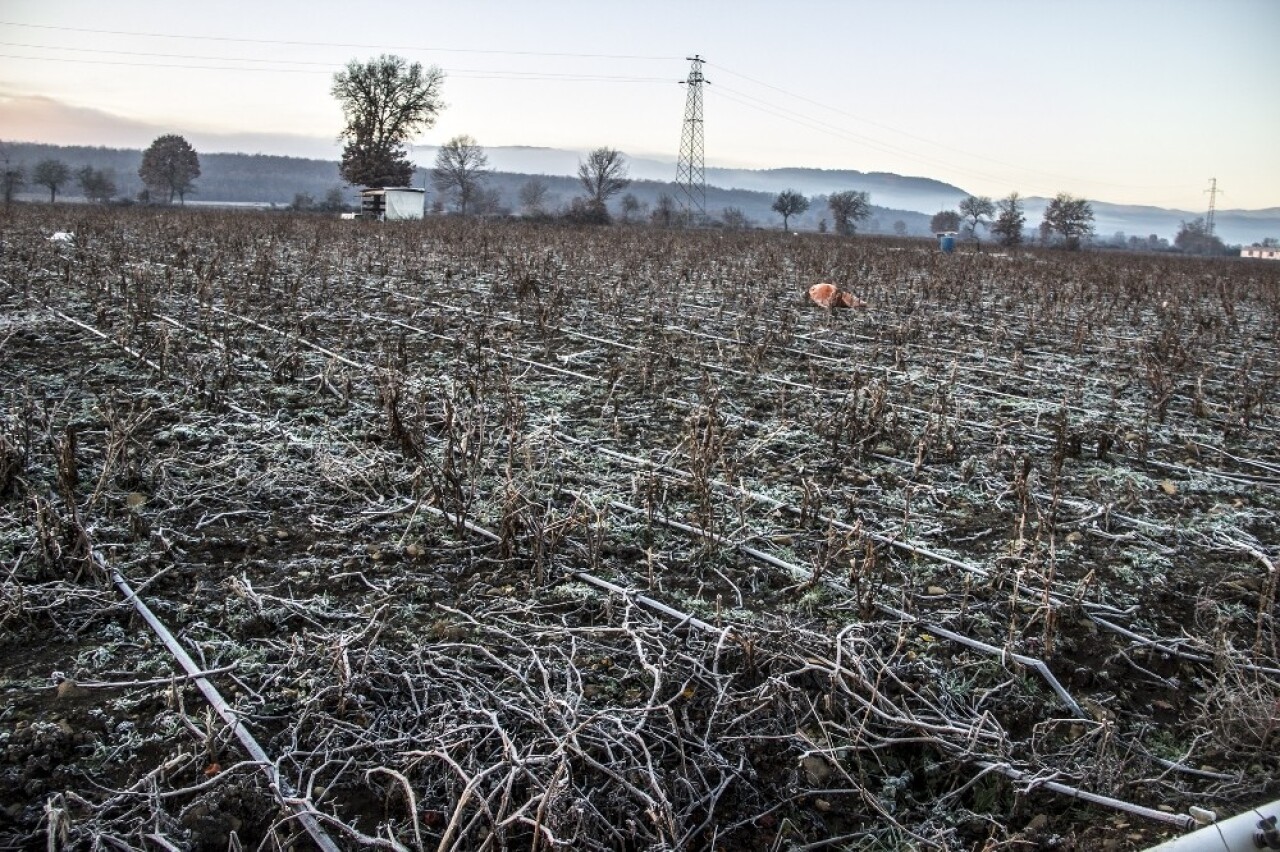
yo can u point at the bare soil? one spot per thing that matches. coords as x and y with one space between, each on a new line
509 536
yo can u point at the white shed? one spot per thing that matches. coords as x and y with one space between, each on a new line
392 203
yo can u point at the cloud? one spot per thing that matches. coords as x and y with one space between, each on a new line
37 118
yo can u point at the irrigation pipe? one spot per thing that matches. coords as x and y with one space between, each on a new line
891 541
280 786
103 336
1180 820
796 571
1252 830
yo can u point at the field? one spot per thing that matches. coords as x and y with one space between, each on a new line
484 535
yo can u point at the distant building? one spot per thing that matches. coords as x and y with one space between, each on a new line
1263 252
392 203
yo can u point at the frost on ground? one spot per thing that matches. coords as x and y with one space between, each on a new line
504 536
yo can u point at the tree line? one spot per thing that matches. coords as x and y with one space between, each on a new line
387 100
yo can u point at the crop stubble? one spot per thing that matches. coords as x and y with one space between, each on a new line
506 535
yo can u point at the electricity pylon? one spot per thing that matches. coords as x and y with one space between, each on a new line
1213 196
691 178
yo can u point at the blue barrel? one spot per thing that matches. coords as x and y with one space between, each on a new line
948 243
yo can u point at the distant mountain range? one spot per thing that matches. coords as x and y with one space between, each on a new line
894 192
263 179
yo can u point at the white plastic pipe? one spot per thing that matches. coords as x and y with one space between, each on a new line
1242 833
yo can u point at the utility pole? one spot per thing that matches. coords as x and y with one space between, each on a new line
1213 193
691 178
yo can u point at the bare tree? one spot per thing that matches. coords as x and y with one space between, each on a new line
944 220
96 184
386 101
789 203
977 209
533 196
461 167
488 202
51 174
1071 217
899 228
1194 238
603 175
734 219
1009 220
664 212
847 209
170 165
630 206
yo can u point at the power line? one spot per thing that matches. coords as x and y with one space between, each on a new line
382 47
465 73
950 148
834 130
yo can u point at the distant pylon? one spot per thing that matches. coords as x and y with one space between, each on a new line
691 177
1213 194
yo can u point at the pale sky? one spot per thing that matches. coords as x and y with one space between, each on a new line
1129 101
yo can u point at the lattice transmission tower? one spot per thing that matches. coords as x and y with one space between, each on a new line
691 177
1213 197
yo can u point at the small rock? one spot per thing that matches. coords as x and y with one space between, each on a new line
68 689
816 768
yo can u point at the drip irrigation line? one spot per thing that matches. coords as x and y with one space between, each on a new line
1043 407
1183 821
656 605
798 572
889 540
108 338
297 338
957 354
1060 599
280 786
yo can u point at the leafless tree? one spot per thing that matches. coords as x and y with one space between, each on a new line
944 220
96 184
1071 217
789 203
603 175
734 219
461 167
533 196
978 210
1009 222
630 206
847 209
664 212
170 165
51 174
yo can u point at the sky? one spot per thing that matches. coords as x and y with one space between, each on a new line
1127 101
